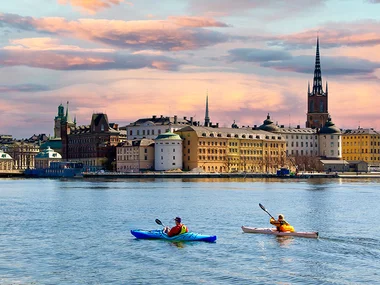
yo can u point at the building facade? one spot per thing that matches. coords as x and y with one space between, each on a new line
362 144
93 145
6 161
231 150
135 155
45 157
150 128
330 141
168 152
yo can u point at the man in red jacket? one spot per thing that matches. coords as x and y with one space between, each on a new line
179 228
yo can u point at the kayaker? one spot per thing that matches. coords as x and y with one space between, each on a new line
281 224
179 228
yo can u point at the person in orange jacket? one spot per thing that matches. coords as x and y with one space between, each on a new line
178 229
281 224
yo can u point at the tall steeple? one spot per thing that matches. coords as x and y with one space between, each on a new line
317 82
317 102
68 118
207 118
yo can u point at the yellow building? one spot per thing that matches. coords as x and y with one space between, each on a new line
361 144
231 149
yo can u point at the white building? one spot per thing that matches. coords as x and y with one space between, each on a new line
150 128
330 141
45 157
299 141
168 152
6 161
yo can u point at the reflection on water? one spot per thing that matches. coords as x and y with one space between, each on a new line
78 231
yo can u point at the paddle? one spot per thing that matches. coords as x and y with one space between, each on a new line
263 208
159 222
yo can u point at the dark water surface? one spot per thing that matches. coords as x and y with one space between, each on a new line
77 231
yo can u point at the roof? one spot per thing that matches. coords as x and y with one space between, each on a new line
4 155
305 131
242 133
53 143
154 120
138 142
48 153
329 128
269 126
168 136
334 161
361 131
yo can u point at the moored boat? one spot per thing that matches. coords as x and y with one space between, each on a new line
273 231
159 234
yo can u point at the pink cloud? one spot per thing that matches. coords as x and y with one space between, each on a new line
91 6
177 33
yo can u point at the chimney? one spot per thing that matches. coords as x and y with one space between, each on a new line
217 125
184 118
175 119
191 120
298 126
154 117
162 116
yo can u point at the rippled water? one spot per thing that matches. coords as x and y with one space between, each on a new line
77 231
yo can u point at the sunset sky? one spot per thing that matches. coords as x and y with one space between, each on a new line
134 59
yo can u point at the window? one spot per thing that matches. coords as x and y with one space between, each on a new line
173 157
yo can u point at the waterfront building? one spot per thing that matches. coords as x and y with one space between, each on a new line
330 141
317 98
135 155
150 128
45 157
23 154
362 144
93 145
6 161
168 152
235 149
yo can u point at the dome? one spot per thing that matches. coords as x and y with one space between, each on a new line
4 155
168 136
48 153
269 126
329 128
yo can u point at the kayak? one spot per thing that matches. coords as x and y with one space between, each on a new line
159 234
273 231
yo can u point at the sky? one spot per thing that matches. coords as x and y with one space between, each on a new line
134 59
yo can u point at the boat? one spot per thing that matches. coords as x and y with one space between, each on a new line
65 169
274 231
159 234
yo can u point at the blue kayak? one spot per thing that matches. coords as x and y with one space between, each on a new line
159 234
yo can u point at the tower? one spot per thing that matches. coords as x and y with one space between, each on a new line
317 99
207 118
66 124
57 121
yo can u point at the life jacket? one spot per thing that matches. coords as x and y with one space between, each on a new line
184 229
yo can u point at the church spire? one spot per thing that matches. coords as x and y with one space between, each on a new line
317 84
207 118
67 117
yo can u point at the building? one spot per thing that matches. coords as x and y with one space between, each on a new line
317 99
58 120
330 141
135 155
212 149
168 152
23 154
362 145
45 157
6 161
150 128
93 145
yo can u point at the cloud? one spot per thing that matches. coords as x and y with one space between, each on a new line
330 65
84 61
274 8
23 88
174 34
48 53
91 6
256 55
332 35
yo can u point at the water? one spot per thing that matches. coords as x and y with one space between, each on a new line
77 231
